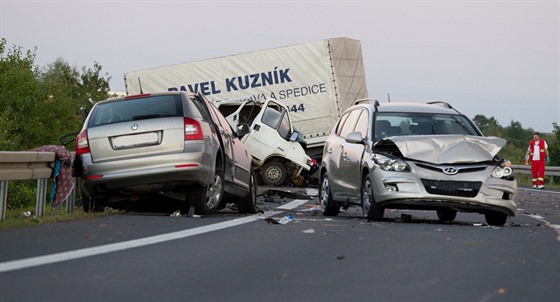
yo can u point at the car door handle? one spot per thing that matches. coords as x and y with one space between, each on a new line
329 150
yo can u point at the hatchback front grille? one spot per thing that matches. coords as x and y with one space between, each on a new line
452 188
463 168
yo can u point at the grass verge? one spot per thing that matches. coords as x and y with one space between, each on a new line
25 217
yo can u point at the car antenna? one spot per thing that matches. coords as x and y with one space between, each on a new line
388 98
140 84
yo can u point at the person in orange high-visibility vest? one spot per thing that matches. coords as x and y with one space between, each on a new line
537 153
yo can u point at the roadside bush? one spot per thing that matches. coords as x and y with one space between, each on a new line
21 194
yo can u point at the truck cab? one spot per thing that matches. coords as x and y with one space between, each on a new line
265 128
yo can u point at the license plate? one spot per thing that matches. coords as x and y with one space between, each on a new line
136 140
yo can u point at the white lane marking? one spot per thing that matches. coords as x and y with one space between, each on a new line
292 205
555 227
119 246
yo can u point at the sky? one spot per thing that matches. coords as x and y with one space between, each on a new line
495 58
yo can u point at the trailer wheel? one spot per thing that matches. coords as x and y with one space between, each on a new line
273 173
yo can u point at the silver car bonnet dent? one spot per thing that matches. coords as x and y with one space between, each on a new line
447 149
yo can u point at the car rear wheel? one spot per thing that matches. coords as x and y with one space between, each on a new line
273 173
206 199
496 218
93 202
328 206
248 204
372 210
446 215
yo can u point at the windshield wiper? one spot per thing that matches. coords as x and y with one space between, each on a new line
144 117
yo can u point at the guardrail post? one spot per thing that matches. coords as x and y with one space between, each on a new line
3 199
41 196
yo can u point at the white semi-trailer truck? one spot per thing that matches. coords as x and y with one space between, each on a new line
316 80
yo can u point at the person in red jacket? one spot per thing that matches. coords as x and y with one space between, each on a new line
537 153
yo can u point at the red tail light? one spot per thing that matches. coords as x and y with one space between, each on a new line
193 130
82 143
136 96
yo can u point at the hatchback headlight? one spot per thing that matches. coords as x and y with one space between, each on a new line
390 163
503 171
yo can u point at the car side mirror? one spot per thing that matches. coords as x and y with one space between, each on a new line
242 130
294 136
83 113
354 138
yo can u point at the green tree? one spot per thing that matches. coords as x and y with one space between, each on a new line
39 105
488 126
69 90
20 94
518 139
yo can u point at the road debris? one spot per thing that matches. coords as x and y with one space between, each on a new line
314 209
284 220
271 220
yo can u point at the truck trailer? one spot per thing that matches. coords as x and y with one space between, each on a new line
317 81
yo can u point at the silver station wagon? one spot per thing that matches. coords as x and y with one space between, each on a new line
175 143
415 156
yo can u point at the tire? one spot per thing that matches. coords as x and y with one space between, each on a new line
372 210
446 215
496 218
206 199
273 173
248 204
86 200
94 203
328 206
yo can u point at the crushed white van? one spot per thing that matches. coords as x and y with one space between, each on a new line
265 128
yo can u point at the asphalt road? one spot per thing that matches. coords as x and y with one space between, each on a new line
410 256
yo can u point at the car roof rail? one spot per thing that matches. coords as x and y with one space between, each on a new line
370 101
442 103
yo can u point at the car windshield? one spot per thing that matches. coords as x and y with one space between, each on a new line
136 109
399 123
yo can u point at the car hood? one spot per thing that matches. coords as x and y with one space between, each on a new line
446 149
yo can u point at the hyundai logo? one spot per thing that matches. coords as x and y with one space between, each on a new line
134 126
450 170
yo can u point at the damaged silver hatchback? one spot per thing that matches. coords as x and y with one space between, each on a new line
415 156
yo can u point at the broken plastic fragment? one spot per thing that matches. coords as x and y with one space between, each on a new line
286 219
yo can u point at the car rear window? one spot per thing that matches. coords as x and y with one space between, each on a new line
399 123
123 110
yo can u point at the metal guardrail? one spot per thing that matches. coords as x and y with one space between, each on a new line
28 165
526 169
